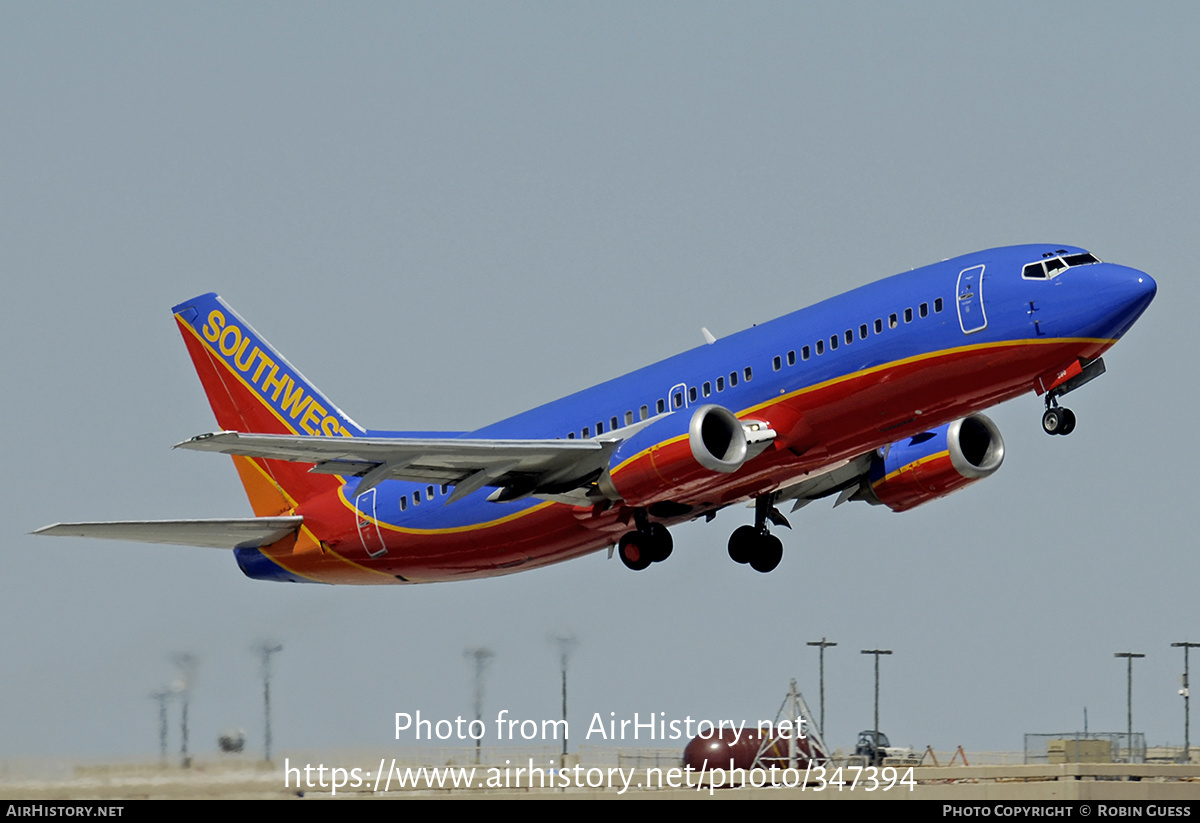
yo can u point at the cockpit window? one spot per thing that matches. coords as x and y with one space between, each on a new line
1054 266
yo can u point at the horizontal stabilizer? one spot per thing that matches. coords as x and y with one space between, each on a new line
234 533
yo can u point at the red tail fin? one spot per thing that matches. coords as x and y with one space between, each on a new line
253 389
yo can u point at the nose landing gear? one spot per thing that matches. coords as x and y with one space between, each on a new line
1057 420
1062 421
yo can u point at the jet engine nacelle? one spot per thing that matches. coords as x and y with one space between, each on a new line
934 463
653 461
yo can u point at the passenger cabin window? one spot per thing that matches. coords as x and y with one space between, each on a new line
661 405
908 315
804 353
628 418
417 497
833 343
677 400
862 332
614 423
429 492
720 384
404 502
587 432
878 326
570 435
820 347
849 337
707 388
792 358
748 373
692 394
776 363
645 412
937 305
893 321
924 309
732 379
599 428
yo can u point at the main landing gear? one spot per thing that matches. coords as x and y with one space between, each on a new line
651 543
1057 420
754 544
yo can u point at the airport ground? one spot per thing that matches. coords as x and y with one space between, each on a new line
593 774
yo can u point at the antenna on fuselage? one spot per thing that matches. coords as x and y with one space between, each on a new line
708 336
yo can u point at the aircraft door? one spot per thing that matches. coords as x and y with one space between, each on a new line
677 398
971 316
368 528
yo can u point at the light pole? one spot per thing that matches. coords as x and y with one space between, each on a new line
566 644
481 655
186 663
824 644
1187 726
266 650
875 755
162 696
1129 656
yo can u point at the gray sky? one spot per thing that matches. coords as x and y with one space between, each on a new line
448 213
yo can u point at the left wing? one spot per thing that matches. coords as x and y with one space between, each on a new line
518 467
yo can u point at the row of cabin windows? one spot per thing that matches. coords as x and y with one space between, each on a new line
660 405
706 388
893 321
430 493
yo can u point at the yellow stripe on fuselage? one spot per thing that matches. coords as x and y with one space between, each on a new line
873 370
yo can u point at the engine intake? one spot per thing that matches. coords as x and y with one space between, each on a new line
657 463
717 439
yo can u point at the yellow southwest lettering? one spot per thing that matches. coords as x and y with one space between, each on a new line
237 358
212 329
270 381
237 335
263 362
292 399
312 416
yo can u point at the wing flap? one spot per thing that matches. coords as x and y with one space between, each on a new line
839 477
233 533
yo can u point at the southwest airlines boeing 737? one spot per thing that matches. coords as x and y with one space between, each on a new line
875 395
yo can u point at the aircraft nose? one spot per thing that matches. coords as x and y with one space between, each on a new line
1127 292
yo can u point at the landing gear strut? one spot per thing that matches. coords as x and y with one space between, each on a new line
754 544
651 543
1057 420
